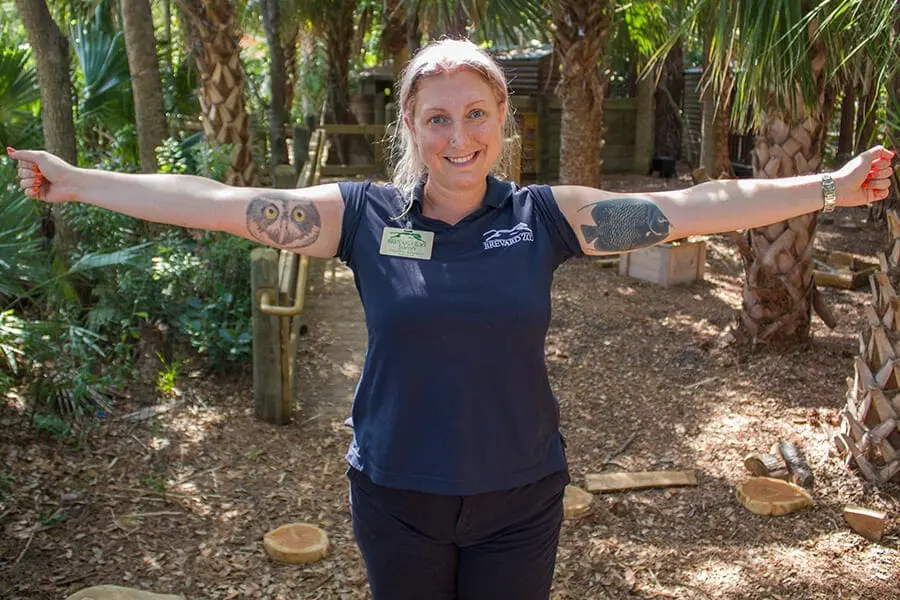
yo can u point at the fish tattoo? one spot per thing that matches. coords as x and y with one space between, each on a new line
288 223
623 224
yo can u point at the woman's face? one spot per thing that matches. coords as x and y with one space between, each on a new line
457 125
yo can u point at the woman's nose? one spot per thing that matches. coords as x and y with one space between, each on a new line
457 136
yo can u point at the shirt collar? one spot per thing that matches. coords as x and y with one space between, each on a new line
498 192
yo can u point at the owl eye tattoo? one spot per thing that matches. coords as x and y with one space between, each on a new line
288 223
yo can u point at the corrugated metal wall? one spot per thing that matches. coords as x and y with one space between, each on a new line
692 114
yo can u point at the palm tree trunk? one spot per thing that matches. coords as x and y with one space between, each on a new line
277 82
722 156
779 289
393 37
217 54
51 54
146 83
291 37
338 33
579 40
848 115
669 94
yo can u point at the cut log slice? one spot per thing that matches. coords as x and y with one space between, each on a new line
866 522
576 502
773 497
297 543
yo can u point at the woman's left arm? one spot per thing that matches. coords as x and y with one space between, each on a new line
610 222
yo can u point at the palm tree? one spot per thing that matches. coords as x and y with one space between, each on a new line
580 32
215 34
146 82
789 56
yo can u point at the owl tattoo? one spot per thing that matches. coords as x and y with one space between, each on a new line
288 223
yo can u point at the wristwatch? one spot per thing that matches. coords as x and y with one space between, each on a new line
829 193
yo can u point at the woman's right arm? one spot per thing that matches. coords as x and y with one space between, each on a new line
303 220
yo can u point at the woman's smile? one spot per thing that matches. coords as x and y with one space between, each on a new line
463 161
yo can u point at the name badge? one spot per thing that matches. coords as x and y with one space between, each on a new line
407 243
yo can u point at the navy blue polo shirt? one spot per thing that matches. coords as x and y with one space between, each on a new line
454 396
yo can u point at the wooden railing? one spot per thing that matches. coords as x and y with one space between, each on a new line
278 281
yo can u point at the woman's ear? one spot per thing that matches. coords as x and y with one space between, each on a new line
501 106
408 123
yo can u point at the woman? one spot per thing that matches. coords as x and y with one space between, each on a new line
457 466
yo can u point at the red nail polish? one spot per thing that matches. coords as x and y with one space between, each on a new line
10 149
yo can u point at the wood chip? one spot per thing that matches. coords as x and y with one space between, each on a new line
611 482
773 497
866 522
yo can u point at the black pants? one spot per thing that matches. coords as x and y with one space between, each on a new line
494 546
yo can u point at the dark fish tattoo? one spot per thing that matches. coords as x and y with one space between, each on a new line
624 224
288 223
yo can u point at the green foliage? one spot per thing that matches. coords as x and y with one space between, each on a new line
767 43
206 291
19 96
52 425
22 259
194 156
105 110
167 375
52 519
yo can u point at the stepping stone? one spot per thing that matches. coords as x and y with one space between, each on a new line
115 592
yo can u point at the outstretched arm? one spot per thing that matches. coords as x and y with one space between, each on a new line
609 222
305 220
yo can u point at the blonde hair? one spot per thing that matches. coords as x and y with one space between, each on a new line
443 56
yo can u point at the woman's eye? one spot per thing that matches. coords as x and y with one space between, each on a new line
477 113
271 212
436 120
299 215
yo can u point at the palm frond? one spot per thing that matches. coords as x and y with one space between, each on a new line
106 97
22 261
97 260
768 45
19 97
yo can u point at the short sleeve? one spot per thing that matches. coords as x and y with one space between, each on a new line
565 242
354 194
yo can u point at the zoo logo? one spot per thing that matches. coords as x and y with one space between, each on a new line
406 240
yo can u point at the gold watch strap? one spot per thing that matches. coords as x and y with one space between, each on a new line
829 193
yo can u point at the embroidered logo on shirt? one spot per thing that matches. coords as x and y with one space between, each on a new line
500 238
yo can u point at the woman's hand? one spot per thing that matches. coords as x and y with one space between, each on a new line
866 178
44 176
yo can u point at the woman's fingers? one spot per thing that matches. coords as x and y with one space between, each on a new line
877 184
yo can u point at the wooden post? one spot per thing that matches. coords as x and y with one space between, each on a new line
300 141
267 366
284 177
643 127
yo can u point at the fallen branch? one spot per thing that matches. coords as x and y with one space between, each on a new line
609 457
25 549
